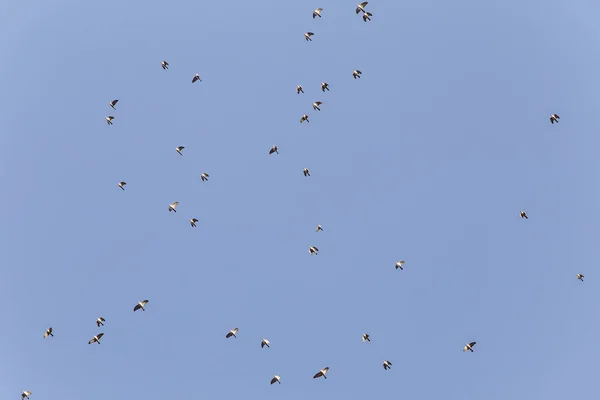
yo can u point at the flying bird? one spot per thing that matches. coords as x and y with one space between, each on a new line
48 333
524 215
307 36
165 65
319 228
299 89
356 73
387 365
361 7
580 277
196 78
273 150
365 337
122 185
264 343
316 105
173 206
179 149
304 118
141 305
399 264
322 373
232 333
25 394
366 16
306 172
100 321
204 176
312 250
113 104
109 119
276 378
469 346
324 86
96 339
193 222
317 13
554 118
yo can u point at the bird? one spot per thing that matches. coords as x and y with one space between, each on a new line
48 333
554 118
25 394
299 89
122 185
304 118
524 215
399 264
469 346
179 149
307 36
324 86
204 176
366 16
317 13
196 78
173 206
109 119
96 339
316 105
319 228
356 73
273 150
100 321
387 365
322 373
264 343
313 250
113 104
361 7
580 277
193 222
141 305
306 172
232 333
165 65
365 337
276 378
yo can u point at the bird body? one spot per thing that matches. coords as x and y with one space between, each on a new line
304 118
100 321
366 16
276 378
387 365
48 333
365 337
193 222
324 86
299 89
264 343
317 12
580 277
319 228
179 149
113 104
307 36
196 78
122 185
361 7
109 119
316 105
165 65
312 250
399 264
173 206
469 346
306 172
356 74
274 150
204 176
25 394
523 214
554 118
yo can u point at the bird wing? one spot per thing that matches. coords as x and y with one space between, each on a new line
92 341
175 204
318 374
364 3
273 380
46 334
309 33
99 335
145 302
472 344
114 102
137 307
194 79
229 335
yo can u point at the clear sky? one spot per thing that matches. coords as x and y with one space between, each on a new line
428 158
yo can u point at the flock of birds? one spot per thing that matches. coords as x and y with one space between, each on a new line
313 250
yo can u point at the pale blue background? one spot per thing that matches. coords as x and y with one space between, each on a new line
428 158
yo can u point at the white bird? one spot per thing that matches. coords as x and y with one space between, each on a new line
100 321
48 333
316 105
276 378
322 373
356 73
196 78
365 337
165 65
299 89
25 394
324 86
113 104
317 13
173 206
307 36
179 149
141 305
122 185
304 118
109 119
399 264
273 150
361 7
387 365
232 333
469 346
366 16
313 250
306 172
204 176
264 343
580 277
524 215
554 118
96 339
193 222
319 228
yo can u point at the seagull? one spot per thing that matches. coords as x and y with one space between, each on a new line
179 149
165 65
109 119
48 333
361 7
273 150
113 104
387 365
399 264
366 16
100 321
317 13
554 118
193 222
232 333
196 78
316 105
26 393
524 215
306 172
96 339
141 305
173 206
469 346
307 36
276 378
579 276
264 343
319 228
356 73
324 86
322 373
304 118
365 337
299 89
204 176
313 250
122 185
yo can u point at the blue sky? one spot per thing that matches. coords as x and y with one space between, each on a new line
428 158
